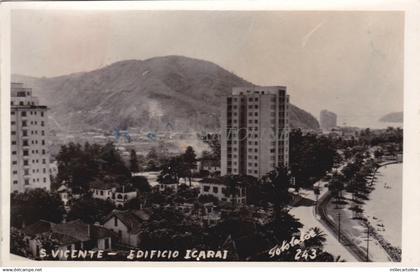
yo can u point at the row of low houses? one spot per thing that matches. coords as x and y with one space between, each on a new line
218 187
118 194
121 229
73 235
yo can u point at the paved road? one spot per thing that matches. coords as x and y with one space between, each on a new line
320 209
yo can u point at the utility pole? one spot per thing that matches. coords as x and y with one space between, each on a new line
339 226
367 243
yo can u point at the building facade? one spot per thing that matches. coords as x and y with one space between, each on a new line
327 120
29 136
255 131
218 188
118 194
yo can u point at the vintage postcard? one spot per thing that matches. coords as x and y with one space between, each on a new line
170 134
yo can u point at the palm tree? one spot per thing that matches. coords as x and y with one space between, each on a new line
318 240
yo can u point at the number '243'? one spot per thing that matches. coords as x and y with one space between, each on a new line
305 254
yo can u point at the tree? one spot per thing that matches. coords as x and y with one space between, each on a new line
172 170
134 203
213 140
134 164
80 165
336 186
140 183
190 161
318 240
152 160
232 188
90 210
33 205
113 164
311 156
280 183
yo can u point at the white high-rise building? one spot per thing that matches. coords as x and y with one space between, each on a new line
327 120
255 131
29 136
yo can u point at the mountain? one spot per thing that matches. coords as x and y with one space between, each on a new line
175 91
393 117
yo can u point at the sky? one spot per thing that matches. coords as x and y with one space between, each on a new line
348 62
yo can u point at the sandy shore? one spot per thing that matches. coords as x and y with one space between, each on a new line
384 209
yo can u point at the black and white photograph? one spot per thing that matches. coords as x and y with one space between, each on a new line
206 135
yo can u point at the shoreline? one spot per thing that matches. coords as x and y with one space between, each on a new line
393 251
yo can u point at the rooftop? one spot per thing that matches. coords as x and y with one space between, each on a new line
66 233
226 179
132 219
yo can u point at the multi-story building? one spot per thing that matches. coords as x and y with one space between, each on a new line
219 188
328 120
29 135
255 130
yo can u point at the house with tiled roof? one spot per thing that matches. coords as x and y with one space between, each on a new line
127 224
73 235
118 194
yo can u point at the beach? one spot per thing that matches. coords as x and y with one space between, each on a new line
385 204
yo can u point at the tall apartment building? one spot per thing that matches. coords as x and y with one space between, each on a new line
29 133
327 120
255 131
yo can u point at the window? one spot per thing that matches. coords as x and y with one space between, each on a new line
14 162
13 123
116 222
101 193
24 123
25 162
25 152
15 182
13 132
23 113
206 188
13 142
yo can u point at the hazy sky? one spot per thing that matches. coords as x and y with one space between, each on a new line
347 62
